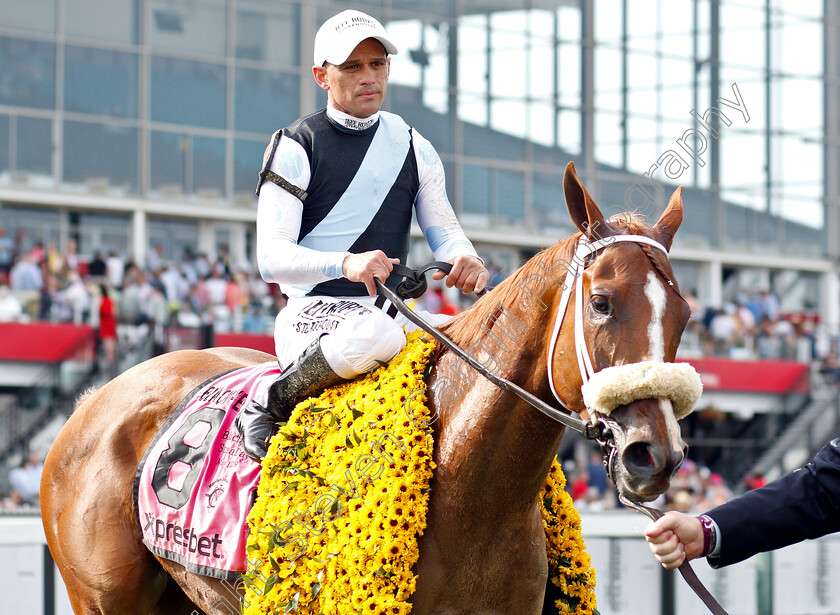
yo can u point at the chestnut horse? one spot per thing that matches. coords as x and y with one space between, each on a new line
483 551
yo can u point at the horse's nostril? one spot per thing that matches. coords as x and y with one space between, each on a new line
639 459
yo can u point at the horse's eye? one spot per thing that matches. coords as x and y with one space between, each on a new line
600 304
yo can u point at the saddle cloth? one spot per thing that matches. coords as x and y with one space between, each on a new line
195 484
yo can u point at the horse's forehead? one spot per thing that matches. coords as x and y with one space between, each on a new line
623 262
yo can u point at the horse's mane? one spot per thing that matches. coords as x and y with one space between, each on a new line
467 326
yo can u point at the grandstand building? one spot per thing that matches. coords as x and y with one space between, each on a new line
136 125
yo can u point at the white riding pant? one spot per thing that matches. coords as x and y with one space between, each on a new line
356 333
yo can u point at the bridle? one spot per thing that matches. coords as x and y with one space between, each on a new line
584 251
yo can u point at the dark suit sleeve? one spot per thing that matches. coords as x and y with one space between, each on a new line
802 504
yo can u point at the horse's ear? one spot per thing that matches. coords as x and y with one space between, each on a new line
670 221
585 214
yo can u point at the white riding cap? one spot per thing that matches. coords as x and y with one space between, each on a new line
340 34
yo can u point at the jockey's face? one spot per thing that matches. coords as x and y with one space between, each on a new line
357 86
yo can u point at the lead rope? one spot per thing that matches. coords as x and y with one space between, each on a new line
598 430
685 568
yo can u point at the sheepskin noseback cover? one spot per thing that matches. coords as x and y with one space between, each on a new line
622 384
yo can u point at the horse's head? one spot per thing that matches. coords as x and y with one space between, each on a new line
629 315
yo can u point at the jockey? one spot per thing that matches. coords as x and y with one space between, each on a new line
335 214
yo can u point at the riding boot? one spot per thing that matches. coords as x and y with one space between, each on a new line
257 422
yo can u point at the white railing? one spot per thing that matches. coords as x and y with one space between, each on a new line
798 580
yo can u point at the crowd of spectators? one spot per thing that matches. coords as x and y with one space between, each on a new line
42 283
753 328
693 488
25 485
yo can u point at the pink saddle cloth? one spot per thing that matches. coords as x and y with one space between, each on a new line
195 484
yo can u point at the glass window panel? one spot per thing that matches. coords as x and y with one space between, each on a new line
5 145
800 105
472 109
188 92
568 128
35 224
642 71
798 47
473 56
608 72
477 185
27 78
247 161
742 35
169 162
103 20
608 138
186 25
541 124
506 144
269 31
34 146
208 166
34 15
100 152
608 22
266 100
677 103
407 66
174 235
641 25
510 188
549 209
541 68
103 232
100 82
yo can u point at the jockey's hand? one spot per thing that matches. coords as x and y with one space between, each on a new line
366 266
675 538
468 274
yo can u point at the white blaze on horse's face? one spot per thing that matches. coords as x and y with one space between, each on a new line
655 292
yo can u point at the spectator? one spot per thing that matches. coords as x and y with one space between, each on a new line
55 262
107 325
71 258
26 479
10 308
186 316
115 268
830 368
216 287
97 268
75 300
7 253
25 274
253 321
154 260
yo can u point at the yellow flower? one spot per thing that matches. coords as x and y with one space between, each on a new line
343 498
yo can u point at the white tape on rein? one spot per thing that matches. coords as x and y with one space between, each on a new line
615 386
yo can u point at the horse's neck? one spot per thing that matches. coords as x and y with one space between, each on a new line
494 449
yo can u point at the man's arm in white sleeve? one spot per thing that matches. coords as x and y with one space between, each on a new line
279 257
434 212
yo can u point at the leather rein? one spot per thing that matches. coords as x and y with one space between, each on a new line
599 429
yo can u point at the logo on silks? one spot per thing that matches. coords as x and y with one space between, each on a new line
183 536
216 492
325 316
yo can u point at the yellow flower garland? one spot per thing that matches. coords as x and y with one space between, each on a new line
343 497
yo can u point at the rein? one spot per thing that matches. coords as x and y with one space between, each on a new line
598 432
598 429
